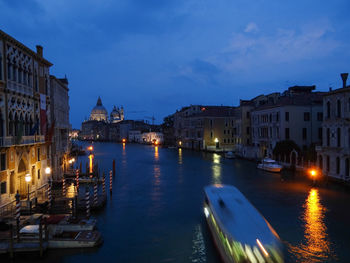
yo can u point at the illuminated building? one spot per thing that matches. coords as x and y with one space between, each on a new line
25 119
205 127
60 133
334 154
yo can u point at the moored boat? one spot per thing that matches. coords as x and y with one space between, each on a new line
230 155
63 239
240 232
270 165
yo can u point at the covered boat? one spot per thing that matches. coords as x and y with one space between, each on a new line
270 165
240 232
230 155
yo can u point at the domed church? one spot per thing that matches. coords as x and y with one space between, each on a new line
99 112
117 114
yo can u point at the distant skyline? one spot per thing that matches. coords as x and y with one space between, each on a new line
154 57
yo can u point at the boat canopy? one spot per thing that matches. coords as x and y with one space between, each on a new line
268 160
237 217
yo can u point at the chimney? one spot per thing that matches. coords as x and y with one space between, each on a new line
39 50
344 77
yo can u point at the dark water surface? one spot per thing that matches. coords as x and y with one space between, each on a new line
156 214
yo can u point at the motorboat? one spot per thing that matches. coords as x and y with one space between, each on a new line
239 231
270 165
65 222
63 239
230 155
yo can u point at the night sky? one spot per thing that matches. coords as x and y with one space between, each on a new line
153 56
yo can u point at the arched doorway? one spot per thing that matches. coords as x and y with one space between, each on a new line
21 172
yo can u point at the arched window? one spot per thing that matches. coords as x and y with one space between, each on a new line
338 165
328 163
328 137
1 125
11 124
320 161
338 108
16 125
328 109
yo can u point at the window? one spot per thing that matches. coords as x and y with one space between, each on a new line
270 118
338 165
38 174
224 131
319 116
287 133
328 137
3 187
38 153
320 134
338 108
287 116
320 162
278 117
328 109
0 65
2 161
248 114
211 134
248 130
224 140
306 116
304 133
338 137
327 163
211 123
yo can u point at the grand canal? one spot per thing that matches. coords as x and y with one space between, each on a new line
155 213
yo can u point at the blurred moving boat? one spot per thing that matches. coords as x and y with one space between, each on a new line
270 165
230 155
240 232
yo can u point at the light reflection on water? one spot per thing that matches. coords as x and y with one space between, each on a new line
216 169
180 156
316 245
156 154
198 246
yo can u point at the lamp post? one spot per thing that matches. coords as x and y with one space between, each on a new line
28 178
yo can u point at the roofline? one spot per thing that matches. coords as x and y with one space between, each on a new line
58 80
24 47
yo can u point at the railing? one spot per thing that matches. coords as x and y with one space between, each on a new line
12 140
8 209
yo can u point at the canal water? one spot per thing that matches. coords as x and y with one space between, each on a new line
155 213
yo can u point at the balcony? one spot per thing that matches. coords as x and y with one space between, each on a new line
25 140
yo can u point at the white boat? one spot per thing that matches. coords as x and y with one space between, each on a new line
230 155
63 239
240 232
270 165
66 222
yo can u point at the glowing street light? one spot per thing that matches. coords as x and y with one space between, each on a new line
28 178
48 170
216 140
90 148
313 174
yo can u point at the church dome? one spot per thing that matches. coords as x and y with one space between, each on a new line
117 115
99 112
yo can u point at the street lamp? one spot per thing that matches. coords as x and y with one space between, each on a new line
28 178
313 174
48 170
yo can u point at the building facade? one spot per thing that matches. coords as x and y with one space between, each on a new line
334 153
205 127
294 115
59 133
24 119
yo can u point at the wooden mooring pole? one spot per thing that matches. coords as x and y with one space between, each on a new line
113 167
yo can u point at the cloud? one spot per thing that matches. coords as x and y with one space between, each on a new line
251 28
282 46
